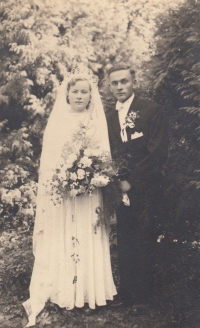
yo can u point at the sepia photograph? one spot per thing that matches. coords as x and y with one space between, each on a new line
100 163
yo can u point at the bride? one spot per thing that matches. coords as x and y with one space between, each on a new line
72 260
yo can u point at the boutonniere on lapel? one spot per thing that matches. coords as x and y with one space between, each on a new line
130 120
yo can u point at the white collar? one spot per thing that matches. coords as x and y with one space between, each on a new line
125 104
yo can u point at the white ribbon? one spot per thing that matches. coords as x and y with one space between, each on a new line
123 132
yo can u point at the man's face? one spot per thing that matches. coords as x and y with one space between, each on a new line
121 84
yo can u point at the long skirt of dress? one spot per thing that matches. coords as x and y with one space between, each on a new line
72 259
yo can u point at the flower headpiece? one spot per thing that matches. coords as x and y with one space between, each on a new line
86 73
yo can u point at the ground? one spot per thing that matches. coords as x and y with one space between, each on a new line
157 315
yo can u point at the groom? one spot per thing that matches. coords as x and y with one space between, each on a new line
136 133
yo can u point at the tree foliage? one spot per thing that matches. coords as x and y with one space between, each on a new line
175 85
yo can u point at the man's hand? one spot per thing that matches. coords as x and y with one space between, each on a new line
125 186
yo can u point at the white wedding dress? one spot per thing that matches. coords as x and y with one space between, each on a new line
72 262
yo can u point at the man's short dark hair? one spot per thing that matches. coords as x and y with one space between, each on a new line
121 67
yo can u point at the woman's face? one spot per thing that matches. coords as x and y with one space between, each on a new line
79 96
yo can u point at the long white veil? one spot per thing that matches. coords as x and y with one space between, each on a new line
57 133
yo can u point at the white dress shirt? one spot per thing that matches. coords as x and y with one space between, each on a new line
123 109
122 112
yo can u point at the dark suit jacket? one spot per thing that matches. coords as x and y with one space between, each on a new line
145 155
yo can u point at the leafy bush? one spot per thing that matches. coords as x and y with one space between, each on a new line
16 261
176 85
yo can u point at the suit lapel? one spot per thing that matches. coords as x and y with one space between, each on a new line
134 107
116 124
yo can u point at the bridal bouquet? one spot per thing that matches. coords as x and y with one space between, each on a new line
84 166
80 174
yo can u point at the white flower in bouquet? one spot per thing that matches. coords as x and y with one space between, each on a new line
73 192
73 176
81 174
100 180
85 161
70 160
